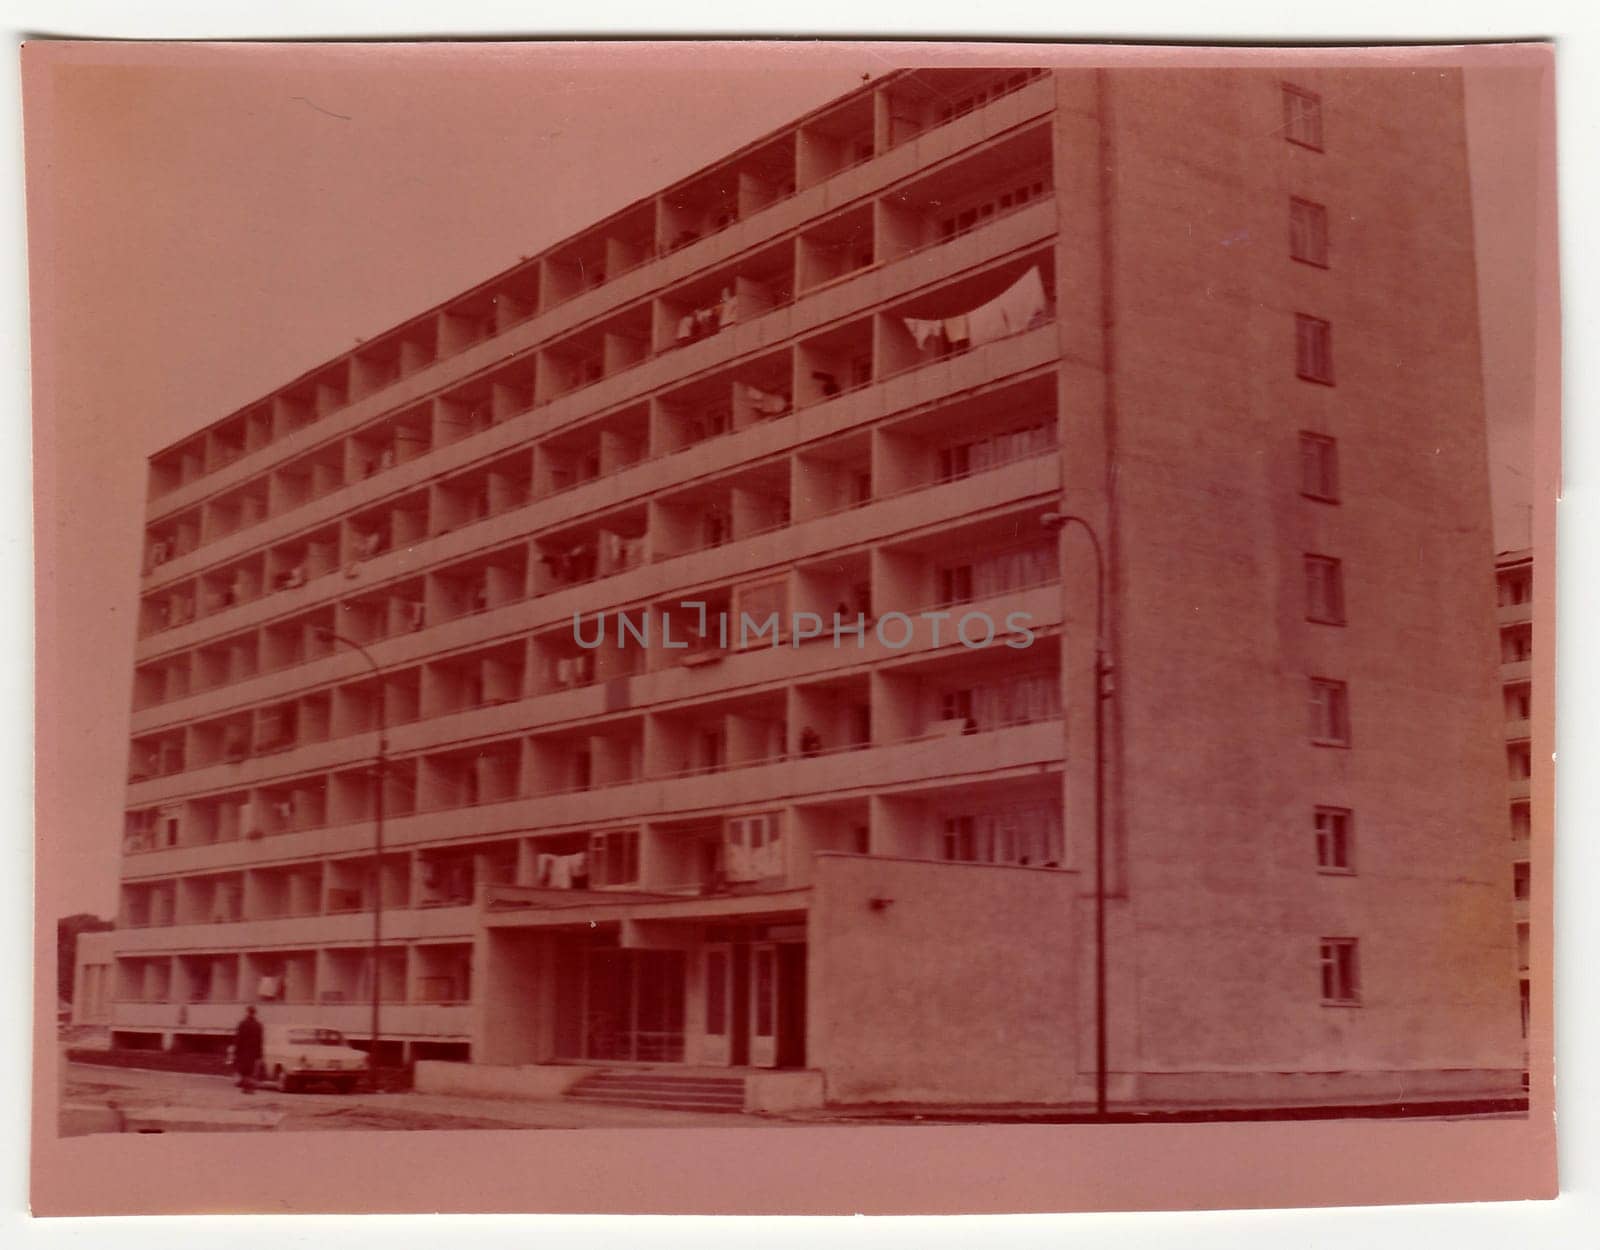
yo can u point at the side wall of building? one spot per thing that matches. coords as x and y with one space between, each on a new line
91 977
1216 648
933 982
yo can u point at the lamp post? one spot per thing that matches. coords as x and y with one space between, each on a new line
377 850
1057 522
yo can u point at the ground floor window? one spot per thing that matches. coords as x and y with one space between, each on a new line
625 1005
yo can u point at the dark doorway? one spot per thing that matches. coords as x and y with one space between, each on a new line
791 1005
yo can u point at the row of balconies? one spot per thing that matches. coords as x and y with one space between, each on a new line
329 901
431 973
706 205
893 459
432 1021
909 703
733 513
749 391
947 762
634 660
471 695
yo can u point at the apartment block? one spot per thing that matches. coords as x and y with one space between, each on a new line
1514 589
830 387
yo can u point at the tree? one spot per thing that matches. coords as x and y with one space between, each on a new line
67 930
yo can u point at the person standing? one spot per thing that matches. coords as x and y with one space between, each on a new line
247 1049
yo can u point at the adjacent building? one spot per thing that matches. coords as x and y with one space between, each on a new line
1514 586
735 687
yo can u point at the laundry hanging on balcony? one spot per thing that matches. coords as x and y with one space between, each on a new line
765 403
564 872
922 330
1021 306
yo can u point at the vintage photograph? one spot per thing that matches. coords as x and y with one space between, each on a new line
911 587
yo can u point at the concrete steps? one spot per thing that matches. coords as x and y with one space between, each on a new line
634 1088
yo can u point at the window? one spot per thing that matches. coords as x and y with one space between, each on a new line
1319 467
1302 117
955 705
1009 833
955 462
1330 712
960 838
1522 946
1340 974
765 991
1324 590
1521 881
1333 840
1516 588
753 847
1308 232
614 858
1521 821
955 584
1313 349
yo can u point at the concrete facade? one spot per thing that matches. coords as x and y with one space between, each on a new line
841 376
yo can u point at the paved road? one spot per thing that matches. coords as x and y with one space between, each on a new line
88 1089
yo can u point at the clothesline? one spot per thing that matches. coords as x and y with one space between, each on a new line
1019 307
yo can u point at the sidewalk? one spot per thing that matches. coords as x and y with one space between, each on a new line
1125 1113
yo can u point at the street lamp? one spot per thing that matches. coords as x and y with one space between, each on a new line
377 849
1056 522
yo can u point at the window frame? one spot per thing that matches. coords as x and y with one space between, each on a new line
1324 580
1313 349
1338 710
1327 487
1308 223
1339 844
1303 105
1339 965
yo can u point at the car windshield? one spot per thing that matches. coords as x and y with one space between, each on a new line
316 1037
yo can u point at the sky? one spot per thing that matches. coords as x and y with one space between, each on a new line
214 227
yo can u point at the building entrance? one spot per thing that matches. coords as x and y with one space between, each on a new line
755 1004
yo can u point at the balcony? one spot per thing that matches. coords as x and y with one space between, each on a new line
1516 670
1514 613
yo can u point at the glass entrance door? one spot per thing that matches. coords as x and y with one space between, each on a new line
763 1004
717 967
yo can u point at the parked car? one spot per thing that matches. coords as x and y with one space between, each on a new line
294 1055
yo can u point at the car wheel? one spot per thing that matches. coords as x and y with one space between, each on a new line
286 1083
345 1085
